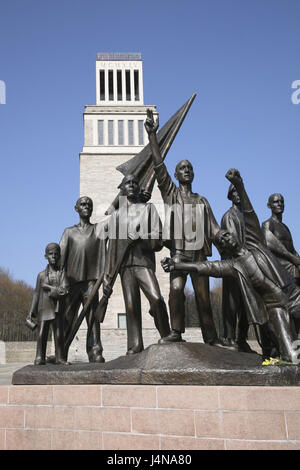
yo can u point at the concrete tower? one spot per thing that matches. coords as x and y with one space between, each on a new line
113 128
113 133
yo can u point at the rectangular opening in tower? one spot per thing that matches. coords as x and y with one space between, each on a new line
130 133
119 85
111 132
136 86
121 132
102 85
141 132
110 85
101 132
128 86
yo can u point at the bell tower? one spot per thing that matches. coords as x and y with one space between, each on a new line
113 128
113 133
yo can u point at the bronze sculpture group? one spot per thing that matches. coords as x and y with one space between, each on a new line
259 265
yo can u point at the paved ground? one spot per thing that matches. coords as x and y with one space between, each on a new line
7 370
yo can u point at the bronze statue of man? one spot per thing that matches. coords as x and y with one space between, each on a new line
270 294
137 226
278 237
181 203
83 258
234 316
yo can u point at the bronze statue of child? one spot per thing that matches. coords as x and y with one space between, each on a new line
47 307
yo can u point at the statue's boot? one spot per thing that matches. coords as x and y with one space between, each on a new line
229 343
39 361
134 351
50 359
173 337
96 357
62 362
243 346
217 342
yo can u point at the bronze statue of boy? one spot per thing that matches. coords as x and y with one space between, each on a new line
47 307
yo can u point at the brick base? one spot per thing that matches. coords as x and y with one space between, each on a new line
140 417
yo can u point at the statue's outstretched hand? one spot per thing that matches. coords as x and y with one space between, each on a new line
151 126
168 264
233 175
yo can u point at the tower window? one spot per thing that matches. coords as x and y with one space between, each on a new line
100 133
128 86
130 133
111 85
136 86
110 132
121 320
141 132
121 132
119 85
102 85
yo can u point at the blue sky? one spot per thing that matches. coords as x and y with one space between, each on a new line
239 56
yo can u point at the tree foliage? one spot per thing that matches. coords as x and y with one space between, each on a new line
15 300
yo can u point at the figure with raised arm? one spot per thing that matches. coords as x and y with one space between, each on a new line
278 237
270 294
189 230
234 316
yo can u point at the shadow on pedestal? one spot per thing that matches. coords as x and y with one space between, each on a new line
166 364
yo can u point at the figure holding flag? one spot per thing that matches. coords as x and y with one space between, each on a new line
132 254
182 204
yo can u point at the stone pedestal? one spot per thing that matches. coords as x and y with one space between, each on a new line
172 364
155 417
183 396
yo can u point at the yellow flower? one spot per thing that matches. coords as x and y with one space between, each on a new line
270 362
266 362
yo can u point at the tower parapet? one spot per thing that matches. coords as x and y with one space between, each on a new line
119 79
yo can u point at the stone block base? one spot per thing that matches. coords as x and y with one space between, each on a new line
136 417
19 351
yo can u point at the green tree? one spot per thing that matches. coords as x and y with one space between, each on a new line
15 300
